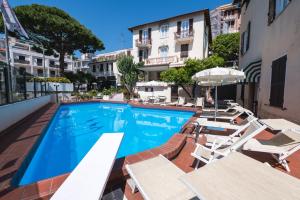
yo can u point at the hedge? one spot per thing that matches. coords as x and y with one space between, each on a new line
51 79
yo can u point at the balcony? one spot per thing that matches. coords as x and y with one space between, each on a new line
24 62
229 17
184 37
161 60
144 43
53 65
104 74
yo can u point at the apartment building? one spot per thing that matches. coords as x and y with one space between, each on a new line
269 56
225 19
25 58
104 68
167 43
82 64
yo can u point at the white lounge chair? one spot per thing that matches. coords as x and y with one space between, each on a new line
158 178
180 102
228 140
225 125
281 146
239 177
227 116
218 150
199 102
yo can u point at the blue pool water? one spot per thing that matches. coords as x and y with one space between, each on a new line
75 128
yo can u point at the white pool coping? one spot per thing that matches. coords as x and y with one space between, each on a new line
88 179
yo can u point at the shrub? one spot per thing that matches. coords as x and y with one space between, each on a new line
51 79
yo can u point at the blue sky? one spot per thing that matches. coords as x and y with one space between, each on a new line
109 19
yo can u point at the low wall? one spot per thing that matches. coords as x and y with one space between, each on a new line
12 113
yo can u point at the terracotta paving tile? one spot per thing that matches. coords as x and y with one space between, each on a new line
39 189
16 142
57 181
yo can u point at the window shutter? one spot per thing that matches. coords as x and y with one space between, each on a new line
191 21
248 38
242 43
278 82
140 35
178 27
272 10
149 33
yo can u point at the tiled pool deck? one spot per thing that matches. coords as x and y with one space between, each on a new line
17 141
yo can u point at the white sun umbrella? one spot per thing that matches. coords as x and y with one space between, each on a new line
218 76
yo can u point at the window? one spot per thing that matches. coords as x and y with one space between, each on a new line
101 68
277 82
39 61
111 67
163 51
245 40
94 68
40 72
145 35
275 8
164 31
185 28
21 57
280 5
143 55
52 73
184 51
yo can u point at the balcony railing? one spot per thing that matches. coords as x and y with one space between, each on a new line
161 60
26 62
53 65
144 43
104 73
229 17
184 36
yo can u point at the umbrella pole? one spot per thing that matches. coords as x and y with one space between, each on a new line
216 102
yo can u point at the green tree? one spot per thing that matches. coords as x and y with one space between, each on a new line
183 76
227 46
130 72
178 76
80 78
56 30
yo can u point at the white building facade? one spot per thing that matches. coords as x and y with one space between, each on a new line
104 68
270 46
25 58
168 43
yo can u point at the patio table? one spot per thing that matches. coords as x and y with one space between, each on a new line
279 124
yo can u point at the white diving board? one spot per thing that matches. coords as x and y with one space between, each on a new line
88 179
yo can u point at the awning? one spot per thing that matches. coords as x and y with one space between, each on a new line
252 72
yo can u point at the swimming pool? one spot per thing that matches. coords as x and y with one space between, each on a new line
76 127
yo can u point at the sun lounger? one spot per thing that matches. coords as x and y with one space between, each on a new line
228 140
224 125
179 102
158 178
218 150
226 116
239 177
281 146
